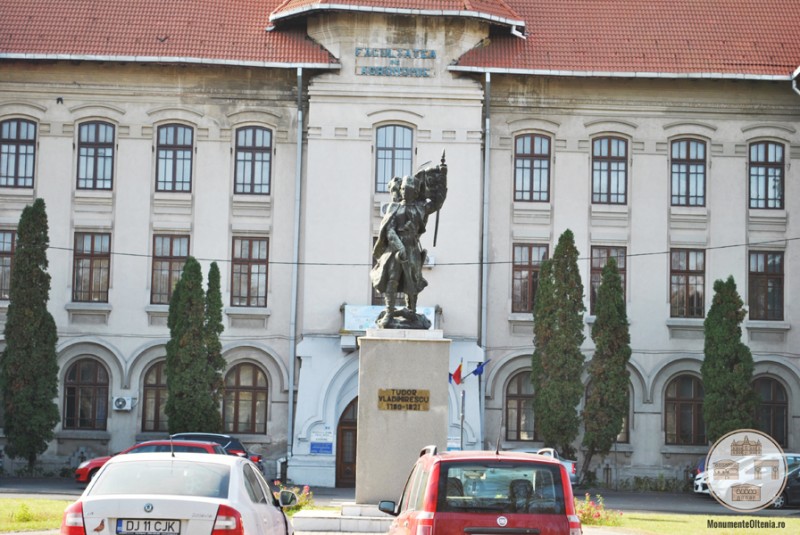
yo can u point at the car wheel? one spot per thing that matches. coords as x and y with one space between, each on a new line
780 501
92 474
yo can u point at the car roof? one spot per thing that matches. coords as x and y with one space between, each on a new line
200 433
491 455
229 460
180 441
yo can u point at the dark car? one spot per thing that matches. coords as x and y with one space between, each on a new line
232 445
791 493
484 492
87 469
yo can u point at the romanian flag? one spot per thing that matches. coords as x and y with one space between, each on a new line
455 377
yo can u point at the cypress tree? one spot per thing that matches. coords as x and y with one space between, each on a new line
215 361
730 401
607 397
557 360
189 404
29 368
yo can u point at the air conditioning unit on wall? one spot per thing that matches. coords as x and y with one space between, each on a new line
123 404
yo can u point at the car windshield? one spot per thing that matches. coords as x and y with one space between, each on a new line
219 439
509 487
163 477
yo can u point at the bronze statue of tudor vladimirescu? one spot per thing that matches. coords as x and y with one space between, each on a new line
398 252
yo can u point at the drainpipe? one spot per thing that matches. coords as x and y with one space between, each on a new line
487 151
298 181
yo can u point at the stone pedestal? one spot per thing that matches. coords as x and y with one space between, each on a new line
402 407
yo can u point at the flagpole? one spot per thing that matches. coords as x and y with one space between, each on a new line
463 397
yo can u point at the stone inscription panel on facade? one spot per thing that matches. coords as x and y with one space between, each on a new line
395 62
403 399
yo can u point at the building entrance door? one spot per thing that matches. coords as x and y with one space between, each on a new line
346 446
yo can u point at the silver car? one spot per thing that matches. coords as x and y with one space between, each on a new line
178 494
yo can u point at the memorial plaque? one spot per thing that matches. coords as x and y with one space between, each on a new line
403 399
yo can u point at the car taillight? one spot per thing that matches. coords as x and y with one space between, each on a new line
228 522
72 522
424 523
574 525
240 453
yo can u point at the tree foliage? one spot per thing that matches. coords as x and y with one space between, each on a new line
29 368
607 397
730 401
557 360
192 373
215 362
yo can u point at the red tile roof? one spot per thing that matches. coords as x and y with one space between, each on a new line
496 11
204 31
703 38
675 38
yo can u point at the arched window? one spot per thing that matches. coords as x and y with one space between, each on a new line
86 395
253 160
688 172
17 153
532 168
519 408
154 417
772 416
683 411
766 175
95 155
609 171
174 153
244 405
393 153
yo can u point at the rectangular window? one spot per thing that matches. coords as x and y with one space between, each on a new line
174 166
766 285
532 168
169 256
8 240
609 170
393 152
17 153
91 267
687 283
600 256
688 170
253 160
766 175
95 156
249 272
528 260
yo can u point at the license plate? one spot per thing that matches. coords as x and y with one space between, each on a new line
148 527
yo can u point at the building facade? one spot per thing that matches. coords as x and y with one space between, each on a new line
265 141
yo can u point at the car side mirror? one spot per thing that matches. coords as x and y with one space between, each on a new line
287 498
388 507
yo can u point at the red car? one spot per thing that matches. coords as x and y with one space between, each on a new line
484 492
87 469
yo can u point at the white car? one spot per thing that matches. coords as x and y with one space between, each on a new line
178 494
701 483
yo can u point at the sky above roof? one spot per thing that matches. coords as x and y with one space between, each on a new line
730 38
